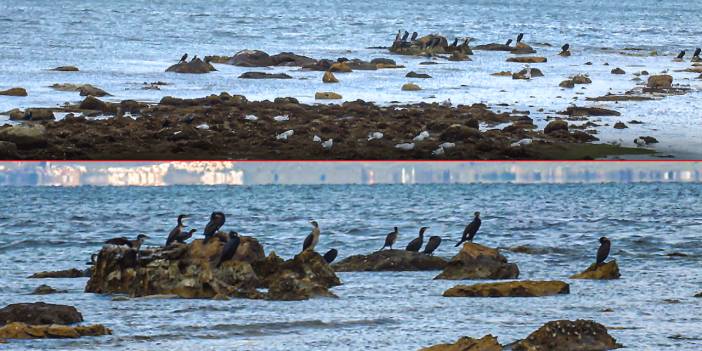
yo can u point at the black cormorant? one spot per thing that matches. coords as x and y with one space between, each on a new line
520 37
330 256
432 244
509 41
697 52
471 229
414 36
565 47
177 231
312 239
216 221
183 58
455 43
123 241
194 58
603 251
182 237
229 248
399 33
405 36
390 239
681 55
417 242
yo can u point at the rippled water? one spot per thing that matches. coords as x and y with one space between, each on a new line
120 44
58 228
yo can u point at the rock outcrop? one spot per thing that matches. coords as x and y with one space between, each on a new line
67 273
662 81
32 114
526 288
527 59
390 260
609 270
327 95
565 335
556 125
24 136
476 261
39 313
486 343
196 66
589 111
263 75
190 271
14 92
18 330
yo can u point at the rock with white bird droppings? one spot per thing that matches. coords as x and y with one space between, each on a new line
421 136
251 118
438 152
285 135
203 126
521 143
327 145
405 146
316 139
447 145
281 118
375 136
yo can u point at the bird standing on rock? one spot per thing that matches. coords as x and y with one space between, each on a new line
565 47
414 36
229 248
177 231
455 43
181 238
432 244
194 58
183 58
330 256
312 239
520 37
399 34
123 241
603 251
405 36
681 55
471 229
696 54
217 220
509 41
417 242
390 239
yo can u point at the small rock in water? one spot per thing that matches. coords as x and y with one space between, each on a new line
281 118
375 136
421 136
618 71
44 290
405 146
620 125
284 135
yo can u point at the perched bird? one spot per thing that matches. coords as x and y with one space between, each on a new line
183 58
330 256
432 244
414 36
603 251
216 221
399 34
455 43
520 37
390 239
194 58
416 243
681 55
177 231
312 239
405 36
565 47
509 41
697 53
229 248
123 241
181 238
471 229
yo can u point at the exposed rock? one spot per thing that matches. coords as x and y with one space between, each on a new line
502 74
556 125
581 79
589 111
564 335
413 74
8 150
341 67
39 313
89 90
68 273
660 81
251 58
620 125
93 103
486 343
526 288
390 260
621 98
475 261
457 56
522 48
528 73
329 78
699 294
609 270
618 71
306 275
290 59
568 83
493 47
527 59
459 132
65 69
32 114
25 135
327 95
565 53
386 62
18 330
410 87
196 66
648 139
354 65
263 75
44 290
14 92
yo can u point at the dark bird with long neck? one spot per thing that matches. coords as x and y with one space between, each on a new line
390 239
603 251
520 37
123 241
229 248
330 256
471 229
312 239
416 244
432 245
217 220
183 58
181 238
178 230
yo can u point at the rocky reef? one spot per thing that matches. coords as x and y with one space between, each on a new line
196 66
565 335
18 330
475 261
190 271
486 343
422 46
390 260
67 273
42 320
526 288
609 270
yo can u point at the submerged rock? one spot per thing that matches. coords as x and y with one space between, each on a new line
527 59
196 66
476 261
14 92
390 260
565 335
65 69
18 330
68 273
526 288
609 270
486 343
39 313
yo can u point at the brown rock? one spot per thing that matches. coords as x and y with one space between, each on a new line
502 74
44 290
413 74
342 67
660 81
39 313
589 111
66 69
327 95
329 78
8 150
89 90
556 125
620 125
486 343
618 71
475 261
410 87
68 273
33 114
564 335
527 59
581 79
290 59
458 132
93 103
568 83
523 48
263 75
528 73
14 92
390 260
19 330
526 288
251 58
609 270
493 47
306 275
25 135
196 66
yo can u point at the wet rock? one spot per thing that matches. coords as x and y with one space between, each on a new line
390 260
556 125
528 73
565 335
32 114
618 71
25 135
568 83
457 56
589 111
413 74
699 294
196 66
354 65
486 343
410 87
493 47
44 290
306 275
581 79
527 59
502 74
621 98
565 53
251 58
386 62
660 81
475 261
263 75
68 273
620 125
65 69
18 330
341 67
290 59
8 150
93 103
39 313
89 90
522 48
329 78
526 288
14 92
609 270
459 132
647 140
327 95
